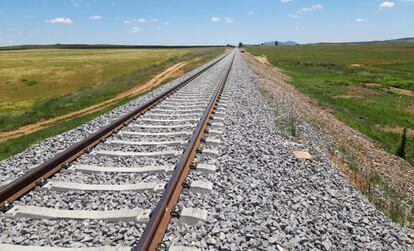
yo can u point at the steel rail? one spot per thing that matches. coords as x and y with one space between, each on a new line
27 181
161 216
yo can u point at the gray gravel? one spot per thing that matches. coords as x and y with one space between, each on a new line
74 233
265 199
68 233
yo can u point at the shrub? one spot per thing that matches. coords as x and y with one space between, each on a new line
401 152
28 82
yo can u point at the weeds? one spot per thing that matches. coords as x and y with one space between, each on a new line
28 82
401 152
394 204
292 125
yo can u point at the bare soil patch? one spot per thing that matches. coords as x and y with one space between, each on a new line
355 65
373 84
397 130
262 59
410 108
352 91
347 96
171 72
400 91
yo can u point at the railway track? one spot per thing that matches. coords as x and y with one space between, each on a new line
128 176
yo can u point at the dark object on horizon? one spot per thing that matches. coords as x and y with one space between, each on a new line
240 44
401 152
279 43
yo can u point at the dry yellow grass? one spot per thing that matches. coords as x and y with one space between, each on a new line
58 72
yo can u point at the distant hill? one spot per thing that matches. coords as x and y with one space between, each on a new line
390 41
280 43
96 46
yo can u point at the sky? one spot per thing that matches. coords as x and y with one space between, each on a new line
201 22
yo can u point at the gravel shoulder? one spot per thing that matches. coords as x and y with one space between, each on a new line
264 198
347 147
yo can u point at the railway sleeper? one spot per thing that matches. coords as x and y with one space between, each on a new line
204 168
189 216
147 143
160 134
197 186
61 186
135 154
162 126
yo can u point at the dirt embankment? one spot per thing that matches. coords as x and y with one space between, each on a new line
394 171
262 59
171 72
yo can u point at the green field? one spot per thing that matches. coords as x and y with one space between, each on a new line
44 83
368 86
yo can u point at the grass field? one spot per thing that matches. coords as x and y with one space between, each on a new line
143 64
42 84
370 87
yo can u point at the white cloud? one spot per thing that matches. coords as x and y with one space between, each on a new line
359 20
215 19
251 13
127 22
155 20
166 23
140 20
229 20
310 9
305 10
135 29
386 5
286 1
96 18
60 20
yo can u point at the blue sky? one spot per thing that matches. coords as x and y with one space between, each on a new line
189 22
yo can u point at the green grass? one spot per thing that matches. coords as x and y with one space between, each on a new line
17 145
42 84
384 197
361 96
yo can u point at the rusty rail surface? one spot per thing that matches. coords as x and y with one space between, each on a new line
160 217
27 181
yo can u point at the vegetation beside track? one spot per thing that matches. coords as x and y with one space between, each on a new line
41 84
370 87
16 145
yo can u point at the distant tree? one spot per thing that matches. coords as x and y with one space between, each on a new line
240 44
401 152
